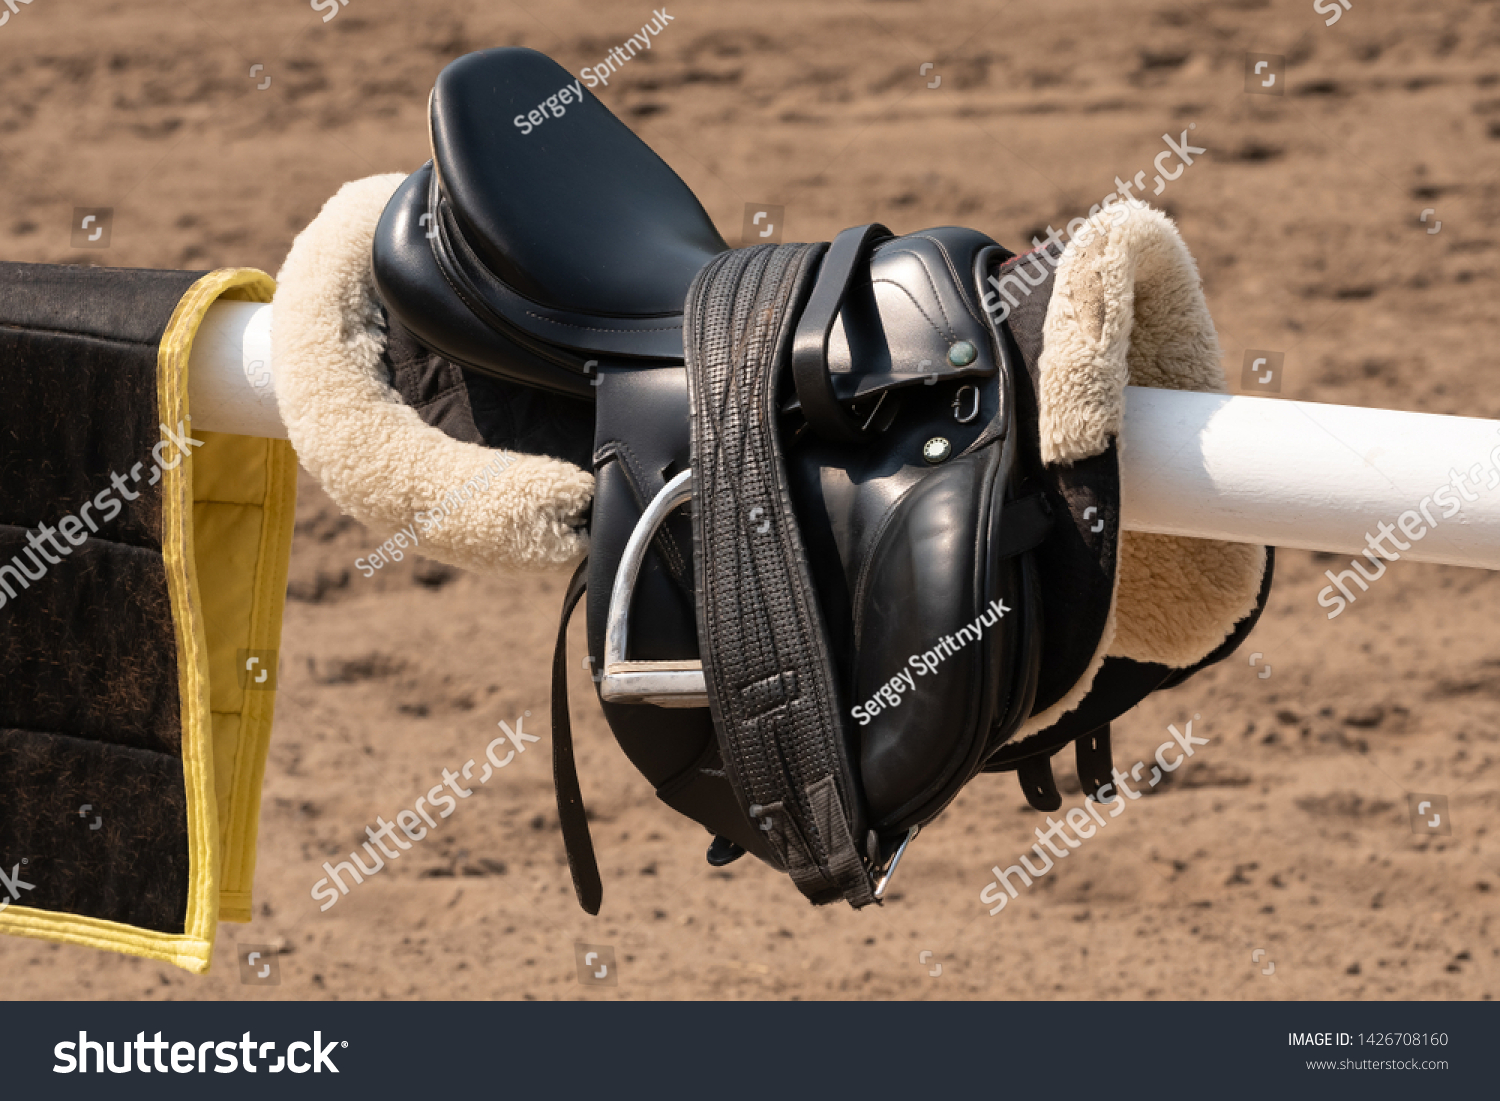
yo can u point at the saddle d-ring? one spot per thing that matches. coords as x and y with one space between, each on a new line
664 683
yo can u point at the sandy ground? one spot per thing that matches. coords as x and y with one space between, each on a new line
1289 833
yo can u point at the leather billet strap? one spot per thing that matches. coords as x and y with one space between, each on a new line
766 656
570 812
1095 762
1095 759
848 256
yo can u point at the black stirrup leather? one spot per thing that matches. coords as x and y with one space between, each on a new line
830 578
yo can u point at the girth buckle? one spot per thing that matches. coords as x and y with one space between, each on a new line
883 880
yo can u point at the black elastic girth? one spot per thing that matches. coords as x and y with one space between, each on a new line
1037 783
570 812
1096 762
766 657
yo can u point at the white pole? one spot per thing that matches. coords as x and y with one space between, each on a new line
1241 469
1319 477
230 384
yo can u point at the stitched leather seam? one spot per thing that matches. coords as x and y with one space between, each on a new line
449 239
945 336
958 282
477 306
932 285
597 329
439 396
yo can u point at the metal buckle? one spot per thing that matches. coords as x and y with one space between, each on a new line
663 683
884 880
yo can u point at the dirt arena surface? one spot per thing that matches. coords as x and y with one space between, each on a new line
1285 846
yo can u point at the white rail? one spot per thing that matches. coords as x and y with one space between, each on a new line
1320 477
1249 470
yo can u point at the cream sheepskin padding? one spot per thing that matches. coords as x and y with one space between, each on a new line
1127 308
373 454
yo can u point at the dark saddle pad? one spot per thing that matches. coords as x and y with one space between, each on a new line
877 581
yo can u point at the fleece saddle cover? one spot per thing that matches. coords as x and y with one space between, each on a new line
142 576
902 452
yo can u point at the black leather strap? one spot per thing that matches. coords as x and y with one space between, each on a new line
570 812
1038 784
1096 761
845 257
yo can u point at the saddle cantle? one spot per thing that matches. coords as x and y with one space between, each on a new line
887 579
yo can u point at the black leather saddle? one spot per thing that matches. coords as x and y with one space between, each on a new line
877 582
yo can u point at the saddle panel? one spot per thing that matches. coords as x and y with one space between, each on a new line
1076 565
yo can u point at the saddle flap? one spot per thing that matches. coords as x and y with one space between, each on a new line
922 573
938 628
641 440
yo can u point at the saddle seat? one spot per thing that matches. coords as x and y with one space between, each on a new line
524 254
